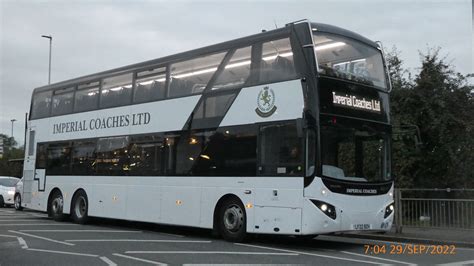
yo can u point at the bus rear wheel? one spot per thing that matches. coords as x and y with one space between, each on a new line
56 206
232 220
80 208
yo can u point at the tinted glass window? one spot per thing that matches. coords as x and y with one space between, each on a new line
281 151
87 99
62 101
116 91
146 154
229 152
277 61
150 85
58 158
236 71
188 151
349 59
211 110
192 76
112 156
83 157
41 104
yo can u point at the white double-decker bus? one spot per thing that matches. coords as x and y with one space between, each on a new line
282 132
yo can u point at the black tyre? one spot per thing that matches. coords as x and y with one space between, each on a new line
56 206
232 223
18 202
2 202
80 208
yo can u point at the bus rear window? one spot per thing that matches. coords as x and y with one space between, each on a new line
41 105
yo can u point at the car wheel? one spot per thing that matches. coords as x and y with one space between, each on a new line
2 202
56 206
18 202
232 220
80 208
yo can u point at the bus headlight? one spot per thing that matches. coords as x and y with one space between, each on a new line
326 208
388 210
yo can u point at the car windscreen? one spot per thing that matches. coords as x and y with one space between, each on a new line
8 182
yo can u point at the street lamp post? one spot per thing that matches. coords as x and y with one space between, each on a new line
50 48
13 121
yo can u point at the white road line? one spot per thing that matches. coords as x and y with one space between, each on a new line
83 231
169 234
138 240
17 220
56 224
108 261
466 262
307 253
22 242
44 238
138 259
212 252
377 258
63 252
7 236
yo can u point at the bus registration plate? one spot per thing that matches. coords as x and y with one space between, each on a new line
361 226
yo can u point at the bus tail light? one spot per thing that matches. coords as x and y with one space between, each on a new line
327 208
388 210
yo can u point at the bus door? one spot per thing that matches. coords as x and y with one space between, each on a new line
29 167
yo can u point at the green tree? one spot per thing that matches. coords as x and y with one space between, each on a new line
439 102
7 167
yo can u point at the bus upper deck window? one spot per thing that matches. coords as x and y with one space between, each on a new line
62 101
41 104
116 91
150 85
191 76
277 61
236 71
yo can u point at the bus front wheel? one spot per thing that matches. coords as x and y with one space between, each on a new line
56 206
232 220
80 207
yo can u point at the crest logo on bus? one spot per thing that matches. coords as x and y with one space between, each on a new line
266 102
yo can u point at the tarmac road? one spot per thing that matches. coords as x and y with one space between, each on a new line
31 238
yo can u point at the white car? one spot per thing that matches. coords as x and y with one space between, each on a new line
7 190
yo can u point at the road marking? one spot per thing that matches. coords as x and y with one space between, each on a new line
79 230
56 224
63 252
108 261
22 242
466 262
168 234
139 259
212 252
138 240
44 238
18 220
8 236
307 253
377 258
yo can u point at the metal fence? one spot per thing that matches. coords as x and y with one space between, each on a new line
434 208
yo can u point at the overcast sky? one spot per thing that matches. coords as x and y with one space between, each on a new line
92 36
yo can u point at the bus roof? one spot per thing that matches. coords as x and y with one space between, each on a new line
205 50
